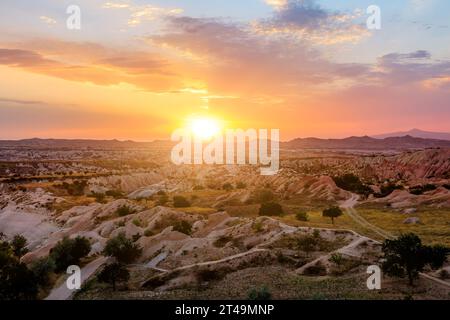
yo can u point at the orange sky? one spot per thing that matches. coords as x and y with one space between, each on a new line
140 69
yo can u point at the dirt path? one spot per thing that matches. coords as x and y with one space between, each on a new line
349 209
348 206
209 263
347 250
63 293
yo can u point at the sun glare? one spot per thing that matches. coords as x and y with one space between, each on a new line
204 128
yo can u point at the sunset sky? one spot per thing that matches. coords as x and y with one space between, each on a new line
137 69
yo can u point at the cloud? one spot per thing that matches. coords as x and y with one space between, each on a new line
400 69
95 64
115 5
143 13
308 21
47 20
234 58
276 3
19 101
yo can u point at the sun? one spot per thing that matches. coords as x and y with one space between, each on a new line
204 128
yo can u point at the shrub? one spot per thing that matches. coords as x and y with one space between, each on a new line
227 187
76 188
264 196
99 197
307 243
259 294
257 226
386 190
352 183
418 190
302 216
18 245
271 209
336 258
116 194
183 227
241 185
125 210
317 269
162 201
180 202
148 233
17 282
444 274
123 249
69 252
137 222
113 273
222 241
42 269
207 275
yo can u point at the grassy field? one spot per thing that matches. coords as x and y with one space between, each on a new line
434 227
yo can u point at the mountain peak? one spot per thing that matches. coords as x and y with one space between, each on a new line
416 133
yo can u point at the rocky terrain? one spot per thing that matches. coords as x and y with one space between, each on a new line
210 247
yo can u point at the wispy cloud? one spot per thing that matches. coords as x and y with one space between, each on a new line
143 13
48 20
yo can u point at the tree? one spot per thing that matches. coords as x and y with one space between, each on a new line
69 252
18 245
406 256
271 209
333 212
113 273
17 282
183 227
123 249
180 202
42 269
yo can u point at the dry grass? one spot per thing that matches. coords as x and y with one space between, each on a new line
435 227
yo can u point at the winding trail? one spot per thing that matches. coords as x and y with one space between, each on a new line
348 206
63 293
349 209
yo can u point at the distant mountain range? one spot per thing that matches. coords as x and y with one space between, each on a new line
406 142
366 143
417 133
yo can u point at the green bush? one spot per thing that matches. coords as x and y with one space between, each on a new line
259 294
125 210
227 187
69 252
241 185
19 245
17 281
123 249
113 273
352 183
302 216
180 202
42 269
183 227
271 209
116 194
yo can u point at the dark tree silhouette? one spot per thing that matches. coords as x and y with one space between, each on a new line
406 256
